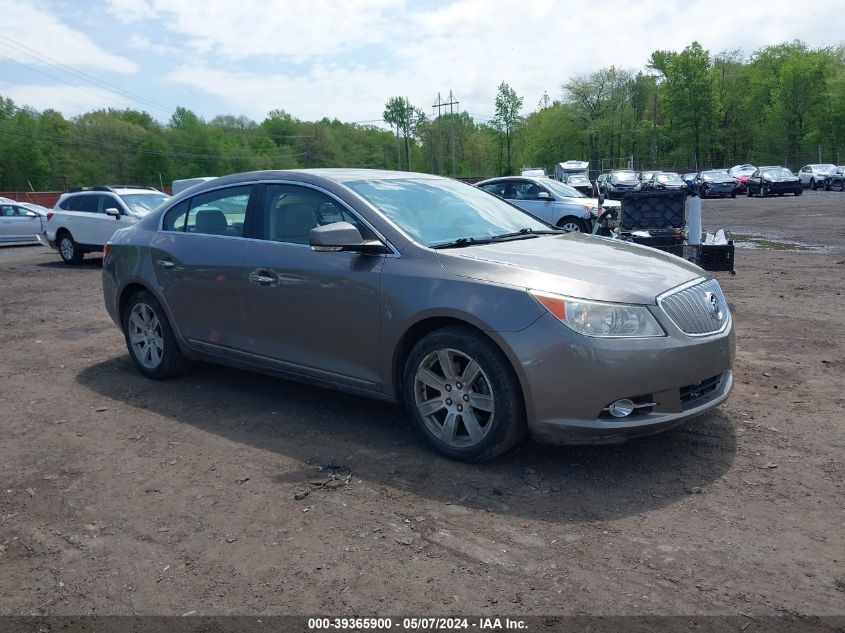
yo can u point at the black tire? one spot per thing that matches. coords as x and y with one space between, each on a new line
573 222
764 191
508 425
813 184
780 195
799 191
827 185
172 362
748 191
733 194
69 249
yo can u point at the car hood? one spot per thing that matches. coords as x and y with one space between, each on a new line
583 266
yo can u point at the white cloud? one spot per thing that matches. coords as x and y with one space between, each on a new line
67 100
297 29
468 46
142 43
38 29
130 10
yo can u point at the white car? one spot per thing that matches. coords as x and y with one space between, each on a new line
555 202
21 221
83 220
814 176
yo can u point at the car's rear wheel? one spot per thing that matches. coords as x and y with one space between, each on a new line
150 339
799 191
748 192
572 225
462 395
69 250
764 191
813 184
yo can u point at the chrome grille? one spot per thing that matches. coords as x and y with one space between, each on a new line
694 309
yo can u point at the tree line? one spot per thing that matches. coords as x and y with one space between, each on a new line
783 104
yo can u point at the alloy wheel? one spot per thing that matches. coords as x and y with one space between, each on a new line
454 398
571 227
66 248
145 335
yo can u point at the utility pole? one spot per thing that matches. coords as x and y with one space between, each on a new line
451 103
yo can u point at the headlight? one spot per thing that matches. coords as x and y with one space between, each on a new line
593 318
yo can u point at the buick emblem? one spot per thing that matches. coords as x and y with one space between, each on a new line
715 306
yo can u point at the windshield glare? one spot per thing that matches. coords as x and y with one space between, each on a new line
780 172
437 212
563 190
710 175
143 203
669 178
624 176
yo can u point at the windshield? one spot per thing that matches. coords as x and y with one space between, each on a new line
438 211
578 179
669 178
143 203
821 169
779 172
563 190
714 174
624 176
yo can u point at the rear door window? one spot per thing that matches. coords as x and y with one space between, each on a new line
87 204
219 212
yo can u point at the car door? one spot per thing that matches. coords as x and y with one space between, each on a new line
105 224
755 182
316 313
525 195
198 259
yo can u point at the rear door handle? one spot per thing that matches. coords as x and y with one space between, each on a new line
262 277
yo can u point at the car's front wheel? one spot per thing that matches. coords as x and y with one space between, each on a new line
462 395
812 184
150 339
69 250
572 225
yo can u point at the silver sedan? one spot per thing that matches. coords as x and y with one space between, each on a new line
483 320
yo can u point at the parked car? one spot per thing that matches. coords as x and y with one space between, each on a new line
579 182
774 180
620 182
742 173
21 221
714 182
599 183
552 201
689 178
83 220
645 176
836 180
484 320
665 181
816 176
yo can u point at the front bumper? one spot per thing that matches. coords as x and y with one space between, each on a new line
568 380
718 190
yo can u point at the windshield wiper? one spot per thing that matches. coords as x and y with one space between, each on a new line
462 241
524 233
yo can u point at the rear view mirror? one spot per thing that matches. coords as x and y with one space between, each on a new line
342 236
115 213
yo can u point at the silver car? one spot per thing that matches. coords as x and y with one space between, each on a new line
21 221
486 322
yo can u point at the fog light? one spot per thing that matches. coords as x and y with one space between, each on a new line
621 408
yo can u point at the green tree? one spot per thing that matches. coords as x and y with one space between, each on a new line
507 121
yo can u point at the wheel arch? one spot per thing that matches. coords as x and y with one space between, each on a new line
418 330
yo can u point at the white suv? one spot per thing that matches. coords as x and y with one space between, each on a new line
83 220
814 176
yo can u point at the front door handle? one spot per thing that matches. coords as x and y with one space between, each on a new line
262 277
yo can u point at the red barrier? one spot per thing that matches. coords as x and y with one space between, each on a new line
44 198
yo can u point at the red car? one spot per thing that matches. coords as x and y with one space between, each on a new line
742 173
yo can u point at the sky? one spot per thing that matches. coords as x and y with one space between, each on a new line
344 58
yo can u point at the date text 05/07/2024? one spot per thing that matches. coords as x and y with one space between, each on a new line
418 624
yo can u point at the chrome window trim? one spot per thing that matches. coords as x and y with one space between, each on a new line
160 229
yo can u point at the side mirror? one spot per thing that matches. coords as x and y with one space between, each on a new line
31 214
115 213
543 195
342 236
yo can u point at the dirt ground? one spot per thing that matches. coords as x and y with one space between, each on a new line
120 495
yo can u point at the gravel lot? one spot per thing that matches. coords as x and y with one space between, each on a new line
121 495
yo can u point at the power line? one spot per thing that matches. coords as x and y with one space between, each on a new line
26 50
